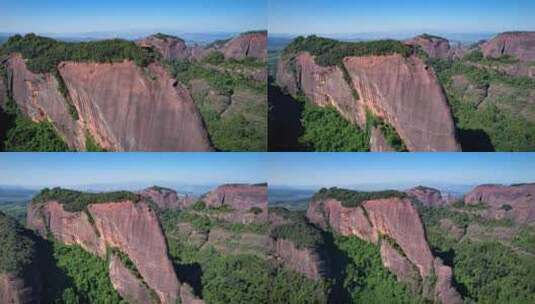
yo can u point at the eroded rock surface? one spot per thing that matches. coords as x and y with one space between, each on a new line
405 92
248 202
515 201
435 47
394 224
124 107
305 261
127 284
167 198
247 45
517 44
429 197
133 228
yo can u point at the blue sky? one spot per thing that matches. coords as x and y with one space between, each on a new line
288 169
359 16
403 169
68 16
32 170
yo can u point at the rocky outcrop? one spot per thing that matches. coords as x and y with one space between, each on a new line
435 47
166 198
246 45
444 291
395 225
170 47
305 261
516 201
404 92
127 284
247 202
520 45
252 45
429 197
132 228
124 107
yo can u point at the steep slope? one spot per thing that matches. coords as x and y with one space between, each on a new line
429 197
251 44
394 224
434 46
19 274
166 198
125 226
515 201
247 202
517 44
122 106
391 84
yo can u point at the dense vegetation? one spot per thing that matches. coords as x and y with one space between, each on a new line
352 198
302 234
76 276
15 209
485 271
331 52
324 129
17 249
240 130
91 144
366 280
74 201
44 54
20 134
487 127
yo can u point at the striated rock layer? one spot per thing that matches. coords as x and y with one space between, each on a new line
404 92
516 201
252 45
132 228
124 107
517 44
394 224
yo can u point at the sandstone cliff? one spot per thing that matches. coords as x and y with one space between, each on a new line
248 202
303 260
429 197
246 45
123 107
435 47
516 201
395 225
520 45
166 198
404 92
132 228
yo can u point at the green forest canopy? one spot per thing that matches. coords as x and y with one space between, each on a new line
352 198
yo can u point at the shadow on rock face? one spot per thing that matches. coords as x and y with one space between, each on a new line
475 141
284 128
190 274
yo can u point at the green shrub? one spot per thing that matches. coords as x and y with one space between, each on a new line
29 136
295 288
390 134
44 54
91 144
352 198
214 58
301 234
74 201
324 129
17 249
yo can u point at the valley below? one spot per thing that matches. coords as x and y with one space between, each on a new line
247 243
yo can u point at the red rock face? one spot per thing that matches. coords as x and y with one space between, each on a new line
429 197
124 107
406 93
167 198
498 198
132 228
444 291
170 48
383 221
403 91
242 198
518 44
127 284
17 290
435 47
304 261
247 45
